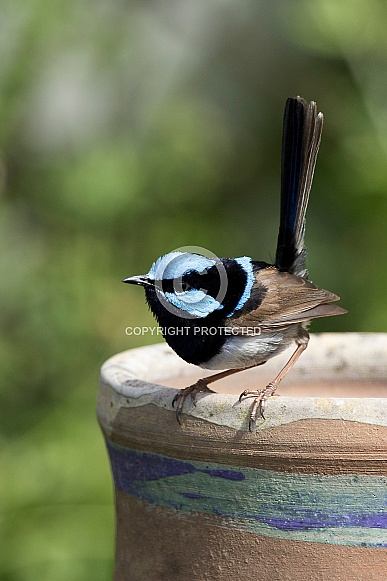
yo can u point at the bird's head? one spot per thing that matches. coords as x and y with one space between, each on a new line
193 286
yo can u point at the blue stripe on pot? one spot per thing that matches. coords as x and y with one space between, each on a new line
344 510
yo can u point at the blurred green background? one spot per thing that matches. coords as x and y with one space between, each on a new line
129 129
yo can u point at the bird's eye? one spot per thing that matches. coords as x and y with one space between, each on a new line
185 286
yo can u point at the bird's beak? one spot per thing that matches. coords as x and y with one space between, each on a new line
142 280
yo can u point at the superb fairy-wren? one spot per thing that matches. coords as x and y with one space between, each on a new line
236 313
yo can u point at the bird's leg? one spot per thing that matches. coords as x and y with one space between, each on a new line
200 386
262 395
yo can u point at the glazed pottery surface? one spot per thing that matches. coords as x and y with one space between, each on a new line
303 497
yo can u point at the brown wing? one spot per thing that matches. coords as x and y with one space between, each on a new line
288 299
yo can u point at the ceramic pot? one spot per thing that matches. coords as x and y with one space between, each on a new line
303 497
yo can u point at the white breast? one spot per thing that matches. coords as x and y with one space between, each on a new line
244 351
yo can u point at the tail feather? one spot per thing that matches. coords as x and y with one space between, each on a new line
300 143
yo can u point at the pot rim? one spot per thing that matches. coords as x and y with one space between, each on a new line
134 378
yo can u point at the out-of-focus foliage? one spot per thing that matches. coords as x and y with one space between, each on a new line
129 129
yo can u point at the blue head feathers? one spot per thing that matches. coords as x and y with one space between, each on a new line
196 286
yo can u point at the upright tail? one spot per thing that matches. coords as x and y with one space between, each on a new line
300 143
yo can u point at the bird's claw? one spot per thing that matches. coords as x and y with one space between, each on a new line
179 400
250 393
199 387
259 403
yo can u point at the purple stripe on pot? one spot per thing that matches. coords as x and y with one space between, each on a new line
345 509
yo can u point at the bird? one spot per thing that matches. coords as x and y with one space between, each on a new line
233 314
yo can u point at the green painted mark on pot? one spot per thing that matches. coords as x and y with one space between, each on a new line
345 510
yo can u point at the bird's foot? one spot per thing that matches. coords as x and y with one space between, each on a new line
261 396
199 387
